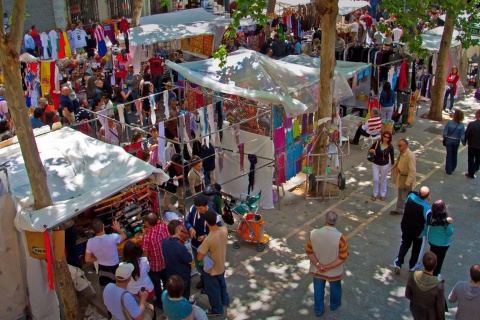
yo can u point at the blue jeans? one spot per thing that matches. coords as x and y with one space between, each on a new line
216 289
452 151
206 177
159 280
319 294
448 92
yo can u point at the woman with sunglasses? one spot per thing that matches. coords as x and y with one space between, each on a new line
383 151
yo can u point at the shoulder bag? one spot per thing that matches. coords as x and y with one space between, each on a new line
444 141
372 156
147 315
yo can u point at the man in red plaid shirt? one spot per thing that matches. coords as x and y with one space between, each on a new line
152 249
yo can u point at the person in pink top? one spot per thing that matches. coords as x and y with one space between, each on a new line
451 90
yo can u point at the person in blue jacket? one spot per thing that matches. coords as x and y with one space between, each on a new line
453 134
439 231
198 229
387 101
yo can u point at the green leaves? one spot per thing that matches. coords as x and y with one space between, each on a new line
409 12
245 8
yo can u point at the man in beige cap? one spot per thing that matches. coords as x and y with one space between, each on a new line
116 297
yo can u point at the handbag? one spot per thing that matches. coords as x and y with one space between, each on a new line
148 314
444 141
372 156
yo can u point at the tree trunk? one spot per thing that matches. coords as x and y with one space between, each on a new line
66 289
10 64
271 6
328 10
438 89
136 12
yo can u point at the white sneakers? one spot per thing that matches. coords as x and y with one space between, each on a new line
418 266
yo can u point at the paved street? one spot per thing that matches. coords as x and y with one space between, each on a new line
275 284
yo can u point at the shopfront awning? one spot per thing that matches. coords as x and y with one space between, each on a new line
255 76
81 171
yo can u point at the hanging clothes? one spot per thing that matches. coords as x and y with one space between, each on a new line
45 40
251 175
68 49
62 44
241 151
54 43
278 116
296 128
290 169
279 143
402 76
99 35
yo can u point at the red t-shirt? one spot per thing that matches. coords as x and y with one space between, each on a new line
156 66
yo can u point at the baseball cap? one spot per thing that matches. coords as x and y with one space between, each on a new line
124 271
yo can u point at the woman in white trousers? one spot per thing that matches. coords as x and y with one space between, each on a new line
383 150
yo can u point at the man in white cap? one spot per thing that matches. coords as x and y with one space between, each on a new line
116 297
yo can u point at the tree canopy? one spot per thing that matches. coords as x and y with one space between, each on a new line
252 8
408 13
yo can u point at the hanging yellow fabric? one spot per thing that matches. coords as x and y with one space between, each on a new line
68 50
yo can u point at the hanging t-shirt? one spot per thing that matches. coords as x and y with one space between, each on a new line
45 45
61 48
68 49
79 37
54 45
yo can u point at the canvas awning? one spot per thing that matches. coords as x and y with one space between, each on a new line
347 6
81 171
179 17
432 38
155 33
255 76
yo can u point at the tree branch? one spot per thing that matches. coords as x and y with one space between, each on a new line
2 26
16 30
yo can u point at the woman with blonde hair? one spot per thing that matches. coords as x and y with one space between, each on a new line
388 37
316 47
196 177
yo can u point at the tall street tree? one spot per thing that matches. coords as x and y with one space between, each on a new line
460 14
136 12
10 64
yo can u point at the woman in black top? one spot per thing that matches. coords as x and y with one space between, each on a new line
383 151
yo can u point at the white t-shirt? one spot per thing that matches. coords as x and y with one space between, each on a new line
104 248
53 35
378 36
134 286
3 108
45 39
353 27
79 38
397 33
112 299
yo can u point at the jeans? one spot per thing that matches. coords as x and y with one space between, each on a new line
216 289
159 280
451 161
198 267
319 294
386 113
473 161
206 177
401 198
407 242
440 252
157 82
380 179
448 92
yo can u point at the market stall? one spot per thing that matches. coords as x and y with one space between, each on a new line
255 82
81 171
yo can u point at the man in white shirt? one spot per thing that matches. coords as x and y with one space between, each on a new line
108 105
353 29
397 33
103 249
116 297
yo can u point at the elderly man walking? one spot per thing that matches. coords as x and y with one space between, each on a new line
327 250
472 136
403 172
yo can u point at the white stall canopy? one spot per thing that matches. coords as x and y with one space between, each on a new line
347 6
432 38
179 17
255 76
81 171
